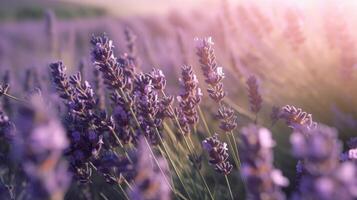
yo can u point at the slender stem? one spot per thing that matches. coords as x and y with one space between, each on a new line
236 160
204 121
124 192
198 170
176 171
206 185
158 165
121 145
236 149
122 93
13 97
170 159
229 187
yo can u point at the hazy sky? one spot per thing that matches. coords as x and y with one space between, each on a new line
140 6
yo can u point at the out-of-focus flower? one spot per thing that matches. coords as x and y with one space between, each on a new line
149 182
40 142
255 99
323 177
320 149
262 179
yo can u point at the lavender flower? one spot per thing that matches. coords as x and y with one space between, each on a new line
104 59
218 153
189 99
262 179
296 118
147 102
255 99
158 79
213 74
227 118
58 71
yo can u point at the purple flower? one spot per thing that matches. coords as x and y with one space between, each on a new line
324 176
262 179
218 154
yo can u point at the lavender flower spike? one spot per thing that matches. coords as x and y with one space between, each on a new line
213 74
218 153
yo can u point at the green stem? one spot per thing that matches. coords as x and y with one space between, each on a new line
122 93
236 160
229 187
121 145
236 149
124 192
198 170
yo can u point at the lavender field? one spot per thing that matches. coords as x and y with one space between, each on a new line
186 100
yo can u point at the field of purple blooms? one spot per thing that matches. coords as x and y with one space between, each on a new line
239 101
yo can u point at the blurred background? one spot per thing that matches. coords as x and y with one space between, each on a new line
303 52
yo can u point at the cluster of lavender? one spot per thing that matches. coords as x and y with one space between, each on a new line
218 154
39 146
263 181
323 176
84 126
